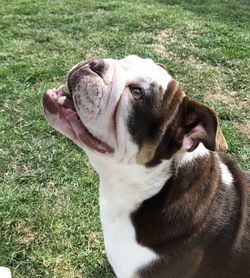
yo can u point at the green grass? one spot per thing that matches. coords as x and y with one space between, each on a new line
49 224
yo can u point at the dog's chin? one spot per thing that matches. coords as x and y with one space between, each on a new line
60 111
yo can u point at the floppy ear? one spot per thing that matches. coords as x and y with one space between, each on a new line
168 70
201 124
161 65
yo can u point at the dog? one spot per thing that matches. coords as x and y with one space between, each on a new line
5 272
171 204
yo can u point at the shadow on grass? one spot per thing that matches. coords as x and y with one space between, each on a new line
223 11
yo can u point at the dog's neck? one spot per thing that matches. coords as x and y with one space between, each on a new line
180 207
126 186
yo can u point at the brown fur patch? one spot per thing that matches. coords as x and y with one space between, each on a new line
197 226
168 108
220 141
210 135
195 121
146 153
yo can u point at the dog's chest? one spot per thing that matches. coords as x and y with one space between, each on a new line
123 252
122 190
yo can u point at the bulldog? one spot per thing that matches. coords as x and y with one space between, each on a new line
170 204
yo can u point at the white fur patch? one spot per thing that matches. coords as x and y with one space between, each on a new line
144 71
183 157
122 189
5 272
226 175
124 253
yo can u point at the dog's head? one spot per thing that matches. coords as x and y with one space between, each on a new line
130 110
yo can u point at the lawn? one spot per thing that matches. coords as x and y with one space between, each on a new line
49 224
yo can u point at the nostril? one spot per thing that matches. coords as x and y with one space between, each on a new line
97 65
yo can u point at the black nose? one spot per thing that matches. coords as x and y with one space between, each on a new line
97 65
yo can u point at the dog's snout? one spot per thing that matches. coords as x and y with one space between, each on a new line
85 68
97 65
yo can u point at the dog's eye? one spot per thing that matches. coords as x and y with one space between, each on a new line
137 93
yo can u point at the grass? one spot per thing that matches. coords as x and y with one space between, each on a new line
49 225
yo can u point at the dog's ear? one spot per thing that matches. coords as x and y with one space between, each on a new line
200 124
168 70
161 65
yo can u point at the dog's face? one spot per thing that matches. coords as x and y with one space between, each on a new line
130 110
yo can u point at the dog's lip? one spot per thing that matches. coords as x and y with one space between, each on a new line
71 71
58 101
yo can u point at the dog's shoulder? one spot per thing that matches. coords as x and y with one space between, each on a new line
240 200
247 174
240 177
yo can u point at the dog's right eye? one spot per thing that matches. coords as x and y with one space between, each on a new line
137 93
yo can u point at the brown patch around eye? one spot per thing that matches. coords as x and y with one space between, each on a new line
151 123
146 153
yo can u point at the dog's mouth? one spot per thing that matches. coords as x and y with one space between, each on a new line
61 113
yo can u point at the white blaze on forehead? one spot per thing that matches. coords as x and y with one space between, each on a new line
144 72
